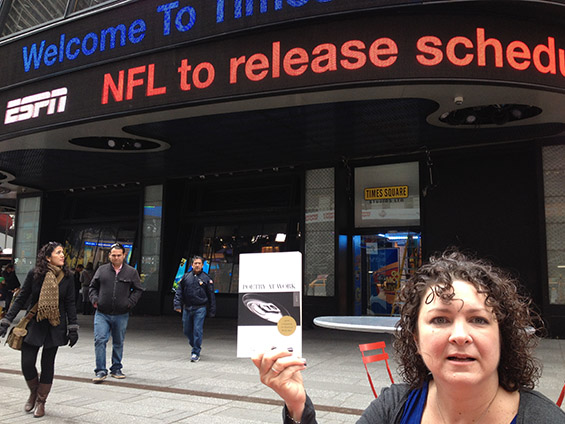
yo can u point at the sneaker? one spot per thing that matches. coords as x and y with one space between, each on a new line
194 358
99 378
117 374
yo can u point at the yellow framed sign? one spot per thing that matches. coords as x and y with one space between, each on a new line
392 192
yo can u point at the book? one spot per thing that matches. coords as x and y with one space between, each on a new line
270 303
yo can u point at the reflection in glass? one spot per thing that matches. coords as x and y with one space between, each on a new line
554 195
25 14
222 245
151 237
87 4
27 229
319 248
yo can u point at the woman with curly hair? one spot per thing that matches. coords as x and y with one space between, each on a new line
49 289
465 341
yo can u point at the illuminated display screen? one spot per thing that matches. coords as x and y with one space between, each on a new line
150 24
366 49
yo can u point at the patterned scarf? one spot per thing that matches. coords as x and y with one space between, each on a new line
48 305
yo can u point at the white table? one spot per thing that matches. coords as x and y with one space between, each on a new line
366 323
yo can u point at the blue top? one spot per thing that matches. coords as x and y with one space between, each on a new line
414 407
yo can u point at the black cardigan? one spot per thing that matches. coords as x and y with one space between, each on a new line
42 333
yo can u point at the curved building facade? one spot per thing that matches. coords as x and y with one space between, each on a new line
366 134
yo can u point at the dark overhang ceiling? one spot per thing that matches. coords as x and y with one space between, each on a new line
282 130
310 135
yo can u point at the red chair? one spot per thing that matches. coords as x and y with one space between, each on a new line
374 357
561 396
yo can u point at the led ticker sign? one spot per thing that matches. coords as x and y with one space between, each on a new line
133 28
105 244
371 49
289 62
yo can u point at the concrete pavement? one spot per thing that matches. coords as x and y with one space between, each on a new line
163 386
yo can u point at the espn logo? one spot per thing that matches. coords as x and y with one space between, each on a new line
30 107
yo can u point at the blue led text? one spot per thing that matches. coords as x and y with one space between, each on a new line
179 17
70 49
263 7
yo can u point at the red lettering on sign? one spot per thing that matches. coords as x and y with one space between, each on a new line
383 52
482 45
151 90
326 61
210 75
452 56
549 52
132 82
235 63
350 50
110 85
432 55
196 78
295 62
256 68
518 55
183 70
276 59
546 58
117 90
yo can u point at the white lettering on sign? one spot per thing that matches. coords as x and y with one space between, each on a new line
30 107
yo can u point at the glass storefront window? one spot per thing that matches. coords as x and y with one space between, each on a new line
27 235
222 245
151 237
26 14
319 250
554 188
387 195
87 4
382 262
91 244
7 225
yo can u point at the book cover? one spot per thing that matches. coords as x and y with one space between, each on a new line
270 302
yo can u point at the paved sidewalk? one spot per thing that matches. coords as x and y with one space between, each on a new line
163 386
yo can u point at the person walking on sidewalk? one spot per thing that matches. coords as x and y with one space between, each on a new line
12 283
85 279
50 285
194 297
114 290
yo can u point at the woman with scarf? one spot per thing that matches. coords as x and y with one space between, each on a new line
50 285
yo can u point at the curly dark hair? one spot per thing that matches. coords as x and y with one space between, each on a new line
41 264
517 369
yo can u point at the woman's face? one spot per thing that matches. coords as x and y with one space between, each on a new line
57 257
459 341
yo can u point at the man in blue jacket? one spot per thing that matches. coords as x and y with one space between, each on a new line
114 291
193 296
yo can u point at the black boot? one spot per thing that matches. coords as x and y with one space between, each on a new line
32 384
42 393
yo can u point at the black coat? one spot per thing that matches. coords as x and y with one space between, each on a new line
115 294
195 290
42 333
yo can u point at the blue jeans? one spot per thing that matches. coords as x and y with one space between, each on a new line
104 326
193 326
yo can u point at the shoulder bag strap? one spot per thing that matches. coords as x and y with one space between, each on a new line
29 316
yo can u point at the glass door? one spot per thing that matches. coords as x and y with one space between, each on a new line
381 263
222 245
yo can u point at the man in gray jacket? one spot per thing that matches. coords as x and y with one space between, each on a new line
113 291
